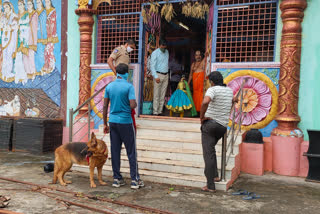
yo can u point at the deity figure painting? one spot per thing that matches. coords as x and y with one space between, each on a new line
22 47
52 38
33 38
9 41
41 35
10 108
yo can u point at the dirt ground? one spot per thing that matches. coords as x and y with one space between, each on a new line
279 194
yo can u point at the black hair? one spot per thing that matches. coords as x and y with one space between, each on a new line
163 42
217 78
131 42
122 68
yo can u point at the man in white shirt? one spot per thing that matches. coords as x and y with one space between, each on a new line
159 70
214 116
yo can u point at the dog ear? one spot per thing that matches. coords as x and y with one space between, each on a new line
93 141
93 135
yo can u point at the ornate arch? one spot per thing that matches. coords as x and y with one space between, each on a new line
96 3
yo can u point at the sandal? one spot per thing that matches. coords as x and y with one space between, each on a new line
3 204
217 179
251 196
206 189
4 198
241 192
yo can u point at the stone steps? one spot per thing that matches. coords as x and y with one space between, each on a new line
170 151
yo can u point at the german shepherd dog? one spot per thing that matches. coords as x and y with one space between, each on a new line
93 154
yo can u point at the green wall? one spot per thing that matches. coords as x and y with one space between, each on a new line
73 58
309 100
278 38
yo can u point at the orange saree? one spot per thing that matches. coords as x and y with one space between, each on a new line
198 79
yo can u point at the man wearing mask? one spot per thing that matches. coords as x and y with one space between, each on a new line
159 70
121 55
121 97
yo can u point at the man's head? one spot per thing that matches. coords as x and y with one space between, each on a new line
163 45
122 68
198 55
216 78
130 45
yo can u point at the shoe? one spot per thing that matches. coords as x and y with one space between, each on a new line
117 183
137 184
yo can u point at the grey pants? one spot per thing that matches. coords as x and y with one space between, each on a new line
159 92
211 132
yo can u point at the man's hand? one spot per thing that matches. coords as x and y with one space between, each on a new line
106 129
157 80
204 119
235 99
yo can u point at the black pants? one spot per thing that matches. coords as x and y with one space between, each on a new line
123 133
211 132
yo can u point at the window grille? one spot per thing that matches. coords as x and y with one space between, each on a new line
120 6
246 33
229 2
114 30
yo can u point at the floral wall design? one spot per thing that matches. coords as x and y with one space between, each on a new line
260 96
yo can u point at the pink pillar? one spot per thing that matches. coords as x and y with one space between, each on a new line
252 158
286 155
286 138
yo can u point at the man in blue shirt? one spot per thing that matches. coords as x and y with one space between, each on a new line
159 69
121 95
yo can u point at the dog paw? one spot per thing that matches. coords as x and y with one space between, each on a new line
68 182
63 184
102 183
93 185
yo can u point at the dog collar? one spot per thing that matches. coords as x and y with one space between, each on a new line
88 158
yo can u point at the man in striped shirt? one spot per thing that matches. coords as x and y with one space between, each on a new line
214 116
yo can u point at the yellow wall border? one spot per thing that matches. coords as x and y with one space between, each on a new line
95 109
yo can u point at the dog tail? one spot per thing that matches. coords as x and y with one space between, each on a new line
56 170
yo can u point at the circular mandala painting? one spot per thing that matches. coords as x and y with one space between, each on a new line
260 98
98 101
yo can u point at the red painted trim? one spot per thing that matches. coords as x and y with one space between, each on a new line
64 60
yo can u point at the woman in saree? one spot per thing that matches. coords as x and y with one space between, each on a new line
8 41
52 38
21 64
197 75
41 35
29 60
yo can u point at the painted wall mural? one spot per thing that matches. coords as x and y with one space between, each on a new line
260 101
26 102
30 44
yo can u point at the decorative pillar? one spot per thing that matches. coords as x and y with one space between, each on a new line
287 137
85 22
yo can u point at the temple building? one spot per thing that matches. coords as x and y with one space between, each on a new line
271 44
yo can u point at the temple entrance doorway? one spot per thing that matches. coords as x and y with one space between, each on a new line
189 41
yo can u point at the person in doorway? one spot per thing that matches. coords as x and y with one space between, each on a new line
121 55
159 70
197 75
214 116
121 95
